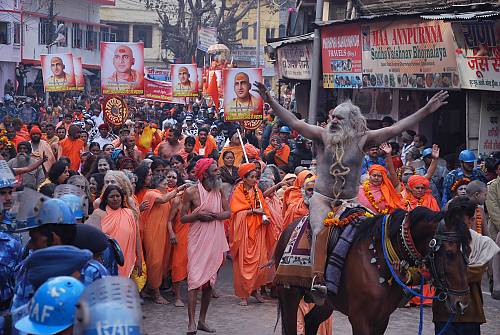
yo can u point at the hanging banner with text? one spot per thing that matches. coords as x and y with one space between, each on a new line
294 61
341 54
157 90
478 54
489 124
409 54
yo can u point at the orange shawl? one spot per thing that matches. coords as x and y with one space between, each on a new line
391 196
281 156
120 225
410 201
294 193
208 148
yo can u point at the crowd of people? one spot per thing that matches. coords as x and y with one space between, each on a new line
172 193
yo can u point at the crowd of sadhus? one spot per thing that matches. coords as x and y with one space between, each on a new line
155 190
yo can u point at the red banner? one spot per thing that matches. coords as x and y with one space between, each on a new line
157 90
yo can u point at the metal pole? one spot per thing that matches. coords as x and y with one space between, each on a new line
47 93
258 34
316 66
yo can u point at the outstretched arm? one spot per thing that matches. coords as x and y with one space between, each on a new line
308 131
435 157
375 137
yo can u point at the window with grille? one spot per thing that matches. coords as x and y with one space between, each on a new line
17 33
43 32
144 33
244 30
76 36
91 38
4 32
121 32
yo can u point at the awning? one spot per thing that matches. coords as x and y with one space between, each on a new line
463 16
291 40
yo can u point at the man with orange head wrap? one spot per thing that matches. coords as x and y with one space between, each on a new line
377 193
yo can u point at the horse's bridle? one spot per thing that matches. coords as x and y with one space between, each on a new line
438 274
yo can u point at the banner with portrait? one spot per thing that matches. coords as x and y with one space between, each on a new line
240 103
341 54
79 78
58 72
157 90
122 68
409 54
184 80
478 54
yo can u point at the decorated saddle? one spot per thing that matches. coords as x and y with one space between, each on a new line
332 246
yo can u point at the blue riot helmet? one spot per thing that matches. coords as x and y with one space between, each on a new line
65 189
55 211
110 305
52 308
75 203
285 129
467 156
25 208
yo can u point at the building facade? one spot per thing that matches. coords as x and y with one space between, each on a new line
10 40
131 22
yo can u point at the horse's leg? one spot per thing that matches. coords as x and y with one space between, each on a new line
289 299
381 327
360 325
316 316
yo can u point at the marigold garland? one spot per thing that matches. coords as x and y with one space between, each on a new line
479 221
371 198
330 220
408 201
459 182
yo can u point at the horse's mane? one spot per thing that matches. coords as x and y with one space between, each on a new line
372 226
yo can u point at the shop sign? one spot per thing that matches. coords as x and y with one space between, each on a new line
489 123
478 54
409 54
341 54
294 61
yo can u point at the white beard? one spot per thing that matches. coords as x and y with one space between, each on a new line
340 135
215 183
306 198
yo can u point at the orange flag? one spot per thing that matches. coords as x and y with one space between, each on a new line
213 90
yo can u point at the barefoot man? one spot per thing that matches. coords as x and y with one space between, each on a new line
340 149
204 208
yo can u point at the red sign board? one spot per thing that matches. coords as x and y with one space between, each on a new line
157 90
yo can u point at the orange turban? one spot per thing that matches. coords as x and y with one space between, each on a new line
391 196
201 166
418 180
245 169
35 130
252 152
301 177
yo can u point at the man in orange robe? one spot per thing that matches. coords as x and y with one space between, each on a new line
247 235
72 147
204 208
277 153
205 144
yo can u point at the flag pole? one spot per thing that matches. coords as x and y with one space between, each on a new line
242 145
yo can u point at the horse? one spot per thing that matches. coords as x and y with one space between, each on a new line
421 236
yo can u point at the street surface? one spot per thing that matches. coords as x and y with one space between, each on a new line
228 318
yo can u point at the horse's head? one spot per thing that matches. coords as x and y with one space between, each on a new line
448 252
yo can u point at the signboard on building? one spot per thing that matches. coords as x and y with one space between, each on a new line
122 68
207 36
409 54
341 54
489 124
294 61
478 54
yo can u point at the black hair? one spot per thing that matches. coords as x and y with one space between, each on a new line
178 158
99 178
423 139
48 189
395 146
107 145
457 208
157 180
56 170
158 162
94 167
66 232
190 140
206 130
227 152
175 131
106 193
94 144
141 172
